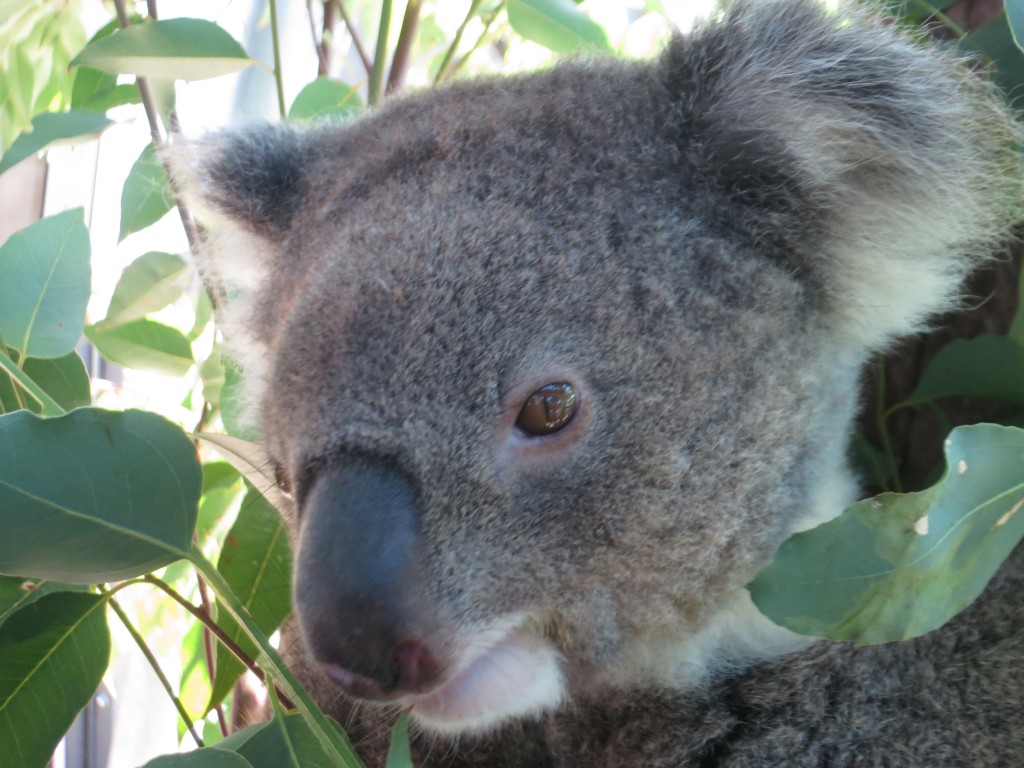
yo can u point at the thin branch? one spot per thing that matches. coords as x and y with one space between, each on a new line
211 662
442 70
319 41
400 62
152 116
207 620
484 34
275 39
140 641
380 55
354 34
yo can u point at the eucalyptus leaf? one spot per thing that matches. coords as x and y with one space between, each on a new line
985 368
251 460
900 565
148 284
146 196
45 285
16 593
53 654
64 379
256 562
51 127
95 496
285 742
556 24
145 345
210 757
399 753
325 97
182 49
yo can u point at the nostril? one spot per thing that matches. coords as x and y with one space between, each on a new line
414 666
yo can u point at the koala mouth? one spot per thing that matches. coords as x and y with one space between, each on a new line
517 674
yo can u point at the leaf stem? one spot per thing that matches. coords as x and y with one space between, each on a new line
442 70
380 55
400 61
141 643
276 40
883 424
333 742
354 34
50 407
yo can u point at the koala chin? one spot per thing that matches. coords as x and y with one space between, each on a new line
551 364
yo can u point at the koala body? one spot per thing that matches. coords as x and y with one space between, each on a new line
552 364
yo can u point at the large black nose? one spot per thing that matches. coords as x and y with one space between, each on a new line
359 579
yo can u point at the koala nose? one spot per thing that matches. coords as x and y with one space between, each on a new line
359 576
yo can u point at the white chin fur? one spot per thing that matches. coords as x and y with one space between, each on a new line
510 672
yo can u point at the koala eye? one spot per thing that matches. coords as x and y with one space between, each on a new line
281 478
548 409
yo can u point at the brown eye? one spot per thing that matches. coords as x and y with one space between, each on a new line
547 410
281 478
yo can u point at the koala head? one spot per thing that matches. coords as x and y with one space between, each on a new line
551 364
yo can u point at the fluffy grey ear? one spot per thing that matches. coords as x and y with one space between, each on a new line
876 168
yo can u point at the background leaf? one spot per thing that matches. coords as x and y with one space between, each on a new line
211 757
53 654
285 742
63 378
146 195
16 593
399 755
325 97
149 283
95 495
144 344
986 368
51 127
45 285
182 49
899 565
556 24
256 562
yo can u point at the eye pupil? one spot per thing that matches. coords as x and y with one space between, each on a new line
547 409
281 477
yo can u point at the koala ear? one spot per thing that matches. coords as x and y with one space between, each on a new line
876 169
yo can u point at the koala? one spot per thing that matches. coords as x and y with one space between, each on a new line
549 365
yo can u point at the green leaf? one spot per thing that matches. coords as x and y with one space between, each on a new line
1015 20
899 565
145 345
325 97
251 461
285 742
146 195
182 49
51 127
45 285
98 91
985 368
37 398
210 757
149 283
556 24
16 593
53 654
218 475
95 495
64 379
995 42
399 755
256 562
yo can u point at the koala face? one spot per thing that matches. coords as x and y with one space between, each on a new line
552 364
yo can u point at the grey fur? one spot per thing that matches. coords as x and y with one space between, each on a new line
707 246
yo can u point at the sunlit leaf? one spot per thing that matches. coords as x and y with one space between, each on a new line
325 97
556 24
94 496
53 654
182 49
146 195
899 565
51 127
144 344
149 283
45 285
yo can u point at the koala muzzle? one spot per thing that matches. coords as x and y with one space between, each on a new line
358 580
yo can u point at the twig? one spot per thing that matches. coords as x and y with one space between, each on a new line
400 61
354 34
278 79
442 70
211 663
380 55
484 34
140 641
207 620
319 42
